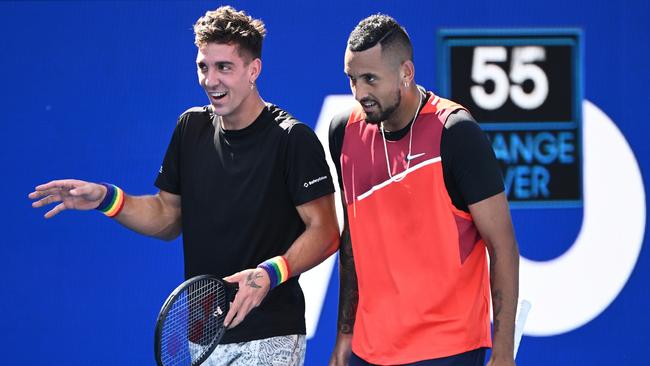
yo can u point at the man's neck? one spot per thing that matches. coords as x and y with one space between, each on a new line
407 110
247 112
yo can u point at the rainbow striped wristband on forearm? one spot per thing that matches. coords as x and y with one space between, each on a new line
113 202
277 268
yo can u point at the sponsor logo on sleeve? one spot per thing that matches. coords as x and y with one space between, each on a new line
314 181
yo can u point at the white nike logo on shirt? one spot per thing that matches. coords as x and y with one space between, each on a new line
410 157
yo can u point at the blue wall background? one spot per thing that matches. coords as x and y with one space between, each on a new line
92 91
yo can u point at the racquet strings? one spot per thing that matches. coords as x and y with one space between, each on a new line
194 322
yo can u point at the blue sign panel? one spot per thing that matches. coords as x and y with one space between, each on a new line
525 89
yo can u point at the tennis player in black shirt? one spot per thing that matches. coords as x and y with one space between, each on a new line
248 187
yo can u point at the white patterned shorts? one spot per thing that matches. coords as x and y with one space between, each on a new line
276 351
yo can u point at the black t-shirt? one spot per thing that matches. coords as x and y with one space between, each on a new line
239 191
470 168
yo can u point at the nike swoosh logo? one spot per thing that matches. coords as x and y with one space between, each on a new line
410 157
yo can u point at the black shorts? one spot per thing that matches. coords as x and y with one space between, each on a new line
470 358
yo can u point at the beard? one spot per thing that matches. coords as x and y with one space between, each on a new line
382 113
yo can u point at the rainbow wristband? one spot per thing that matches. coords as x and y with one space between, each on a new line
277 268
113 202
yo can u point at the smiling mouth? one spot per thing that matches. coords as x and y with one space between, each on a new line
368 104
217 95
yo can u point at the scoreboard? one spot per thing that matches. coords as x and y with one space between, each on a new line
524 87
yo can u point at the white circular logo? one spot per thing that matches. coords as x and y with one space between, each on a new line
569 291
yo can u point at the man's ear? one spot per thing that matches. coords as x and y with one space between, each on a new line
407 72
254 68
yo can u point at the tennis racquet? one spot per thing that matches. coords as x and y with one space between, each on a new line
190 323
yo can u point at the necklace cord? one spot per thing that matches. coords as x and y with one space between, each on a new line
383 135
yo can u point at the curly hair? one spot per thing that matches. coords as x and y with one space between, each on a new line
226 25
384 30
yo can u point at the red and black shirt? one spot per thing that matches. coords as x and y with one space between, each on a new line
421 264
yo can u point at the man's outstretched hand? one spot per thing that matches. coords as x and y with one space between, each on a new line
71 193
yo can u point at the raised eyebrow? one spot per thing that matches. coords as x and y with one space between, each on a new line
224 63
216 63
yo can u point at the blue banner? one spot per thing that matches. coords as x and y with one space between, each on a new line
92 90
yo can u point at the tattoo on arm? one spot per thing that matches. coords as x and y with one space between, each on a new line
497 305
250 280
349 291
497 296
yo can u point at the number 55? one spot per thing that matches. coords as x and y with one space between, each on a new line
521 69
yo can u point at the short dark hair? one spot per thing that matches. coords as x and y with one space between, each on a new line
226 25
382 29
